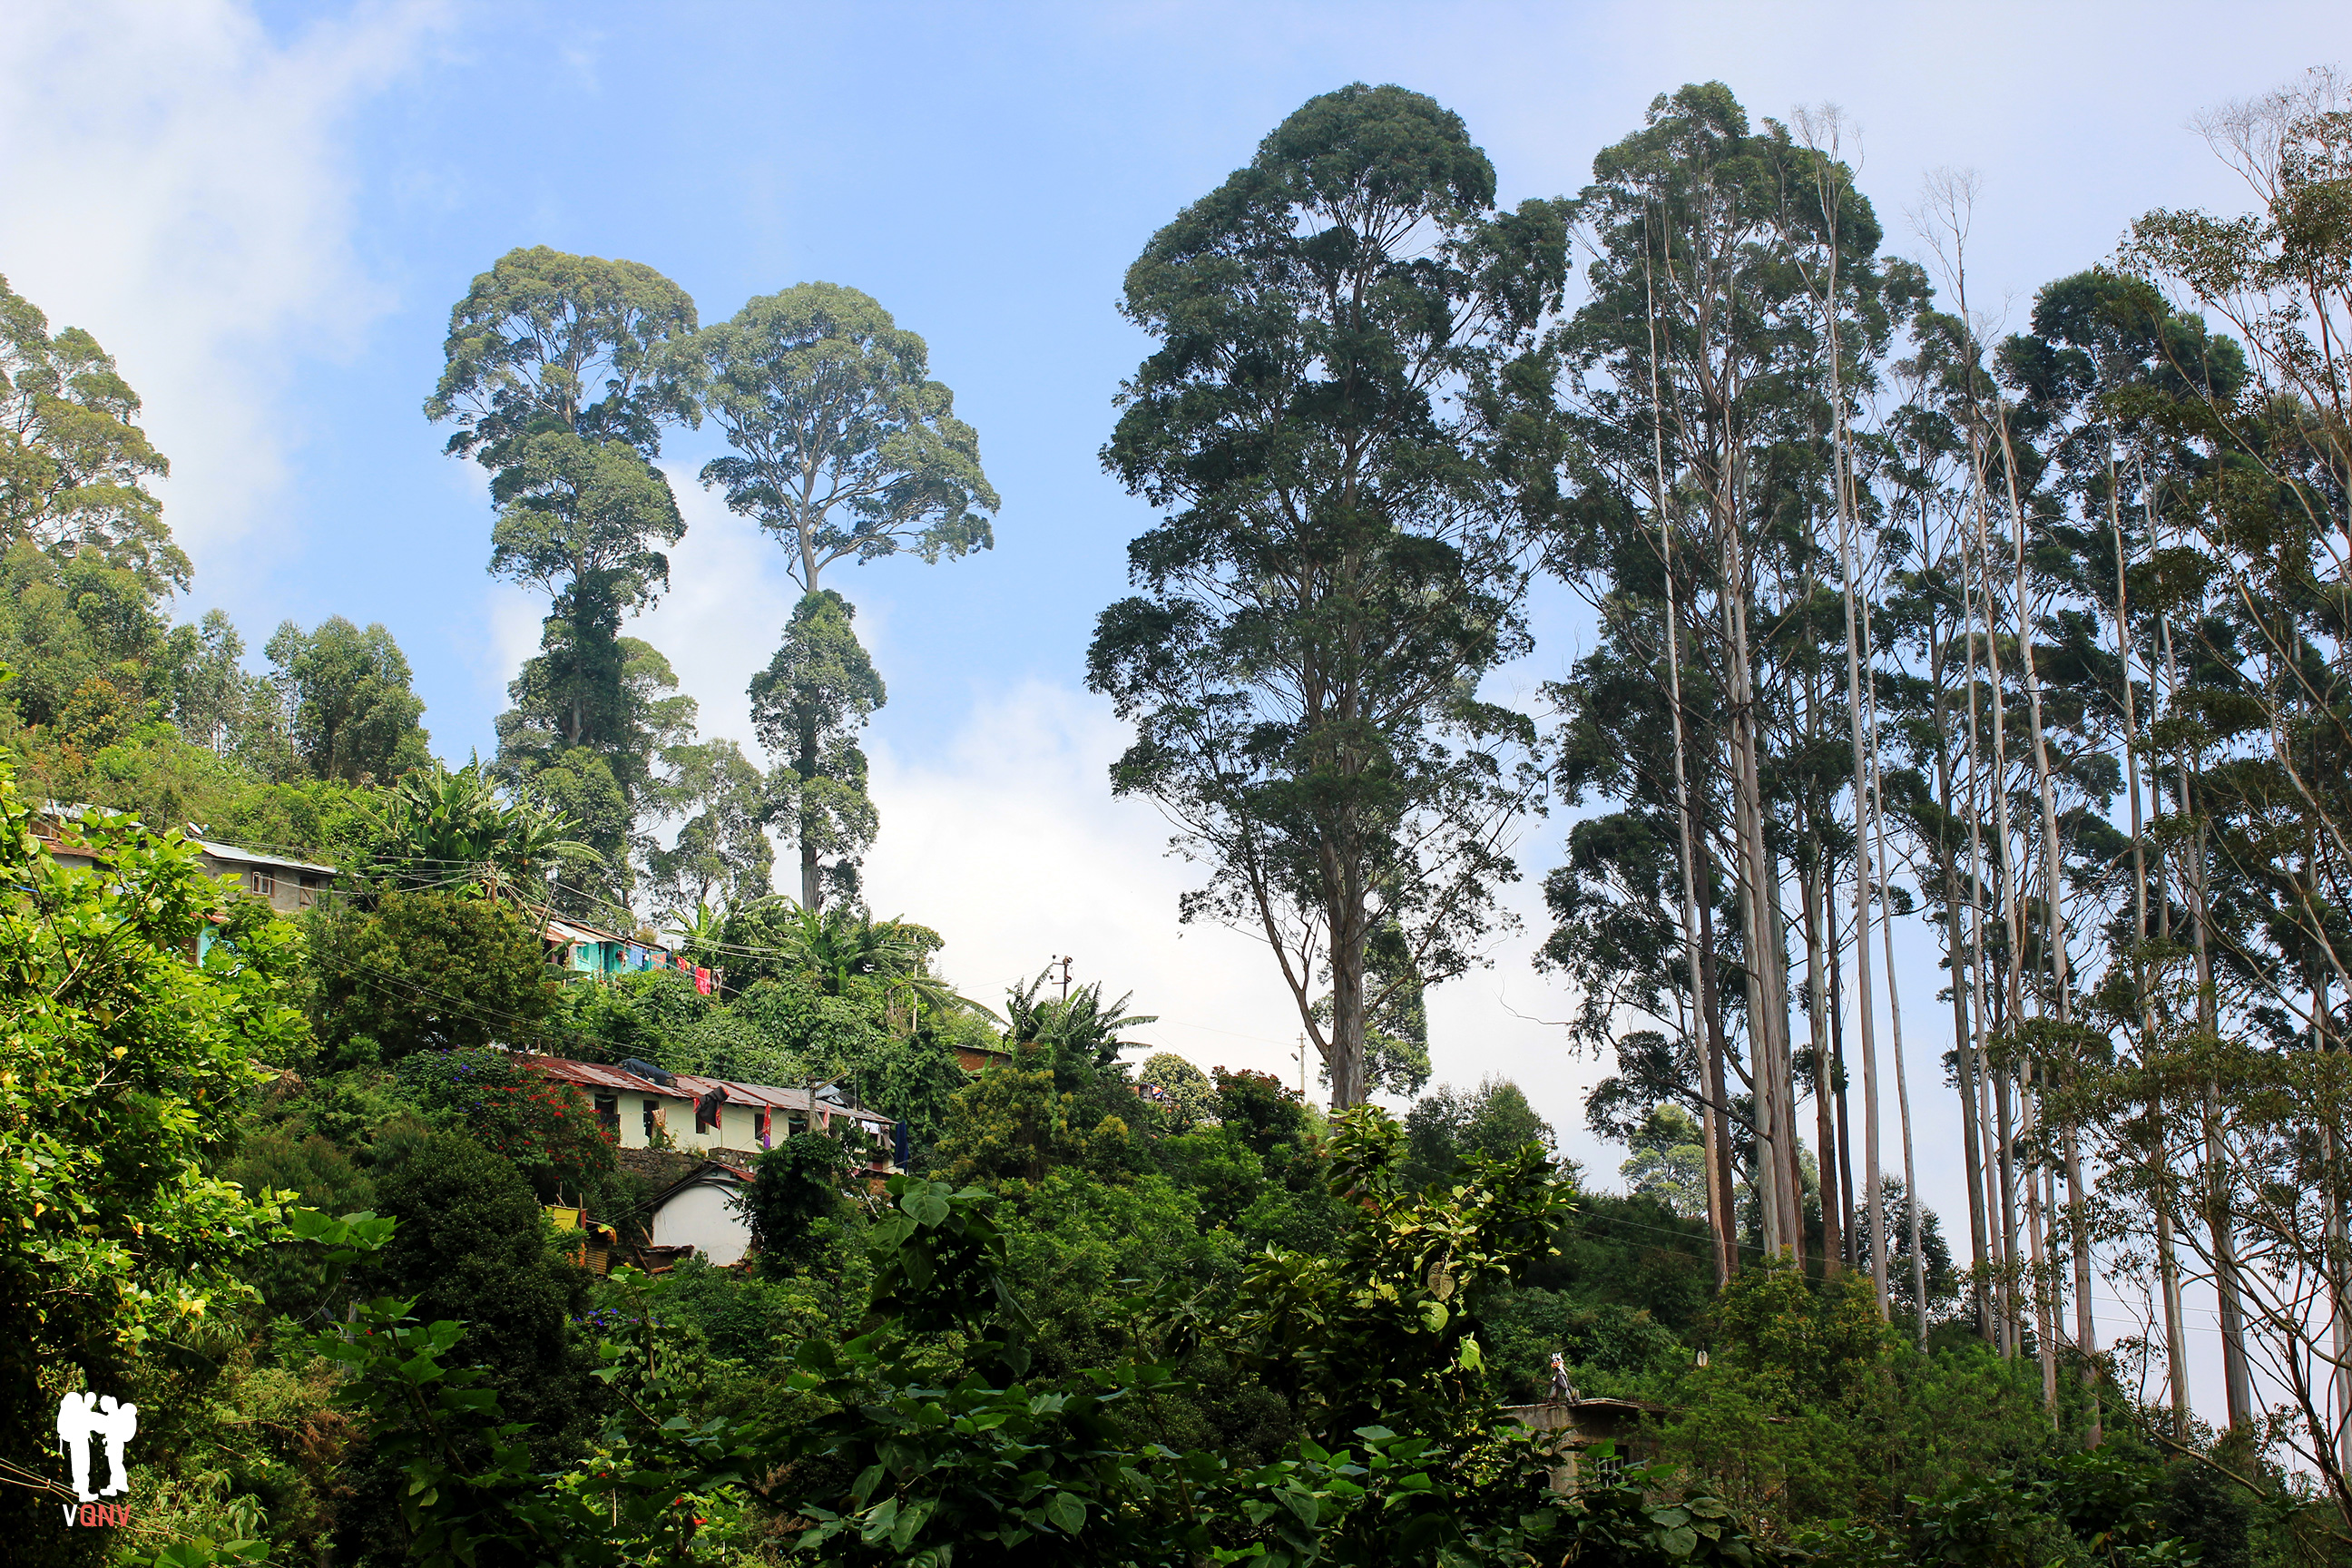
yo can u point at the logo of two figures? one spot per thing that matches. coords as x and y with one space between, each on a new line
85 1415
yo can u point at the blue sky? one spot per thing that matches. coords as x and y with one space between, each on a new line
266 212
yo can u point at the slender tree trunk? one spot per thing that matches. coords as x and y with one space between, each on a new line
1721 1222
2045 1329
1792 1167
1955 947
1838 1077
2237 1379
2168 1268
1991 1083
1817 1020
2054 932
1894 1010
2012 888
2078 1227
1717 1090
1767 1027
1874 1199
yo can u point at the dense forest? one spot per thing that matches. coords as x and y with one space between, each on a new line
2022 640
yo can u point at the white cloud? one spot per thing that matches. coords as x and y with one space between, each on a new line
178 184
729 599
1009 844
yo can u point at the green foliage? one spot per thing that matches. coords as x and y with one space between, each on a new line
1346 406
86 643
1610 1349
2076 1510
441 826
338 823
557 384
545 1130
721 854
124 1066
1450 1124
539 335
593 878
1383 1327
1010 1123
1804 1344
1076 1036
346 693
1187 1095
793 1185
808 706
1268 1116
844 448
74 464
1669 1161
472 1244
423 969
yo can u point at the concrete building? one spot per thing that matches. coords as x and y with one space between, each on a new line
287 885
646 1108
724 1122
704 1210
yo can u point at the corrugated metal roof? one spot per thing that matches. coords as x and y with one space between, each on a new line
692 1086
572 930
220 851
771 1097
592 1075
63 812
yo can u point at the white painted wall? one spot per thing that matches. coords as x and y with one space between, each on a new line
705 1216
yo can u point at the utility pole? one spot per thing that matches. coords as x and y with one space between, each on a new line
1301 1054
1062 960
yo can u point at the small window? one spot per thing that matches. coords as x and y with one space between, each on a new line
260 882
653 1118
608 1112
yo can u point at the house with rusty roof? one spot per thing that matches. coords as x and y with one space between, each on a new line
644 1107
701 1135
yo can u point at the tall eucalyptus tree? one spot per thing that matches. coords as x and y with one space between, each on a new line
558 383
1346 426
1699 382
845 448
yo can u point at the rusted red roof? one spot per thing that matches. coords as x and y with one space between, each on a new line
691 1085
592 1075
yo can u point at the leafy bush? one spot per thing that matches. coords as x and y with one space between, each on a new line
543 1128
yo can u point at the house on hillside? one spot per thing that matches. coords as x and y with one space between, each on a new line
646 1108
980 1059
287 885
577 949
699 1135
704 1210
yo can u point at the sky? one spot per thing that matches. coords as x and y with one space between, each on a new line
266 211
